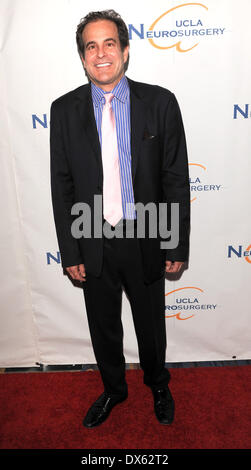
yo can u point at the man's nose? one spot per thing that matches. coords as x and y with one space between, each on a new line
101 52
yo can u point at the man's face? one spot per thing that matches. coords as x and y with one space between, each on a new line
104 60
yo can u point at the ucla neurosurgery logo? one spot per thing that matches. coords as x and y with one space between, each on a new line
184 303
240 251
242 111
199 182
181 27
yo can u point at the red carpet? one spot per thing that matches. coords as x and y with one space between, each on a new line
45 411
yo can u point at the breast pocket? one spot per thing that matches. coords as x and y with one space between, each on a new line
150 145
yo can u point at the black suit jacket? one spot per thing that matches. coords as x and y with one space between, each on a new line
159 170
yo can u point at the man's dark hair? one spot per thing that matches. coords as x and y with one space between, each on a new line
110 15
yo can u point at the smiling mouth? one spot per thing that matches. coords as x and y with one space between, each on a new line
106 64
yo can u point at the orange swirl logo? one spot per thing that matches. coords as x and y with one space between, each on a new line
186 301
246 257
199 186
177 44
201 166
185 23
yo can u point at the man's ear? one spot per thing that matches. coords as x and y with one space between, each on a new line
83 60
125 53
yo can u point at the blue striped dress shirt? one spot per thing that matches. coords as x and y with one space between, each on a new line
121 109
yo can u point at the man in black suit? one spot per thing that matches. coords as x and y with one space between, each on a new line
152 162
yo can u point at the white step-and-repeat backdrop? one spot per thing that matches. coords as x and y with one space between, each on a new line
201 52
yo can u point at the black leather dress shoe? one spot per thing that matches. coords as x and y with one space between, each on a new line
101 409
163 405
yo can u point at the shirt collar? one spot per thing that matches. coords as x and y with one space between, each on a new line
120 91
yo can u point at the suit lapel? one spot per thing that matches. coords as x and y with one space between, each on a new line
138 119
88 122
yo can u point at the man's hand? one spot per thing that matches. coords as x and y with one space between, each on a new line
173 266
77 272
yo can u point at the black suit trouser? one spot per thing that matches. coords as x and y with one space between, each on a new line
122 269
